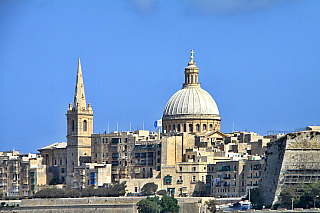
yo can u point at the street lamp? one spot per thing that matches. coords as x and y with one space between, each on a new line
314 201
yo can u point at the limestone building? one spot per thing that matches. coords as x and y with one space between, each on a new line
233 178
79 127
20 174
55 159
191 109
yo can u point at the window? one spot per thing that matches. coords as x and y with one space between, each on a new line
62 170
73 125
135 189
197 127
150 154
60 161
184 127
174 127
150 162
210 126
102 140
194 169
85 125
178 128
204 127
193 178
202 178
190 128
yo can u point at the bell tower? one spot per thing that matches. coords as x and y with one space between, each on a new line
79 128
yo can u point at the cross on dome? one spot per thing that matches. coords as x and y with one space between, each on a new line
191 57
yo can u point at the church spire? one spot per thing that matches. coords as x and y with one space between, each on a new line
79 96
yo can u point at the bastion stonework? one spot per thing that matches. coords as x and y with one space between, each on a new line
291 160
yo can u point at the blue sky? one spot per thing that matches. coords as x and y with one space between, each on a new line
258 59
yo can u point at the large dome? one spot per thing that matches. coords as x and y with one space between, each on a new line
191 101
191 109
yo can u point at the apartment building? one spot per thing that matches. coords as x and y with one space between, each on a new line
20 173
233 178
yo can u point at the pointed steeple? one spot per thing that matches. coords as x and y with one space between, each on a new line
79 96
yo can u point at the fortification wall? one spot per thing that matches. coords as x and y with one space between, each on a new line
294 152
106 204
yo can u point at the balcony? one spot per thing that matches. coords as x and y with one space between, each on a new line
180 181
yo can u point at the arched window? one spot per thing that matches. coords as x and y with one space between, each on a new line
184 127
73 125
179 128
169 130
85 125
191 79
204 127
190 128
210 126
197 127
174 127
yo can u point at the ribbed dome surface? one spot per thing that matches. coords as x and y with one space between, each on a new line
191 100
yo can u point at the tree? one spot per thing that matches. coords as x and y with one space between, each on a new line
255 198
149 205
149 188
286 196
55 181
72 193
211 205
162 192
50 193
169 204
